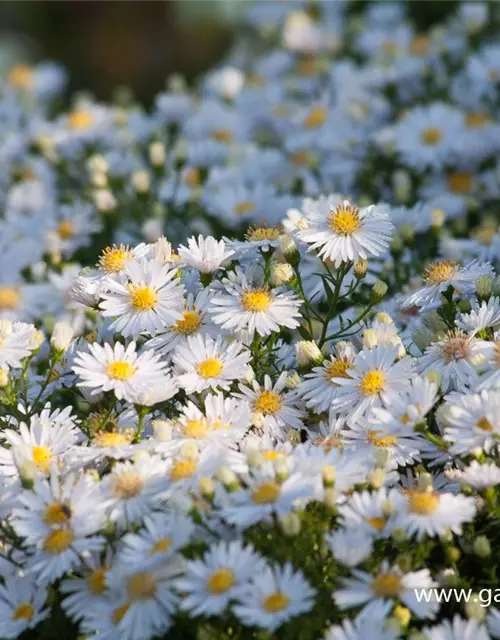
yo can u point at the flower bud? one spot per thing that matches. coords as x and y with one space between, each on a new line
104 200
289 523
397 245
97 163
401 184
402 615
281 273
422 337
388 508
384 318
376 478
370 338
206 487
379 290
141 181
293 380
482 547
62 336
425 481
474 608
330 497
4 378
483 288
438 218
289 249
162 430
255 458
38 339
157 154
307 352
328 472
407 233
360 268
226 476
258 420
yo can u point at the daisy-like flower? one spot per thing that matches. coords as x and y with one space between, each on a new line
371 513
149 298
21 606
205 363
272 406
255 308
207 255
442 274
458 357
343 232
49 436
350 546
373 378
17 341
370 623
457 629
480 476
483 316
391 584
275 595
118 369
493 621
472 421
407 408
318 387
427 512
212 582
263 238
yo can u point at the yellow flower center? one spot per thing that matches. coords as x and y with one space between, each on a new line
420 45
390 47
377 522
113 258
120 370
455 346
484 424
128 484
484 234
111 439
143 298
439 272
196 429
262 233
431 136
80 119
372 383
387 585
189 323
222 135
268 402
338 369
96 581
119 613
460 182
275 602
379 440
182 469
344 219
10 298
220 581
316 118
192 178
58 541
477 120
423 503
210 368
57 513
256 300
142 586
405 418
266 493
42 457
242 208
20 76
66 230
23 611
161 546
307 67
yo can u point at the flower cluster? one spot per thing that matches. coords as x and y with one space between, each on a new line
283 421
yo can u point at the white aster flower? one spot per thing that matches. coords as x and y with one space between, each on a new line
371 513
371 623
17 341
407 408
456 629
472 421
207 255
484 316
480 476
350 546
21 606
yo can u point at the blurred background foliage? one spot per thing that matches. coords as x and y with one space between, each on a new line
135 43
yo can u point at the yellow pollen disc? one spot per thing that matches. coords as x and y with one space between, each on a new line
266 493
275 602
262 233
379 440
271 455
142 586
307 67
143 298
460 182
220 581
120 370
210 368
66 230
372 383
476 120
222 135
182 469
192 178
423 503
119 613
377 523
439 272
484 234
58 541
338 369
390 47
316 118
455 346
387 585
484 424
23 611
96 581
256 300
242 208
20 76
113 258
196 429
111 439
188 324
431 136
405 418
420 45
10 298
57 514
268 402
344 219
42 457
80 119
128 484
161 546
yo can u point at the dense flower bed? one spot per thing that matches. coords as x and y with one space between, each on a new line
283 420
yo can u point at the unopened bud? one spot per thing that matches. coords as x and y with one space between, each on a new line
157 154
407 233
293 381
104 200
379 290
397 245
376 478
62 335
4 378
289 523
258 420
38 339
370 338
388 508
307 352
162 430
28 472
289 249
402 615
384 318
328 472
206 487
483 288
141 181
401 183
330 497
482 547
438 218
360 268
255 458
281 273
474 608
425 481
226 476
